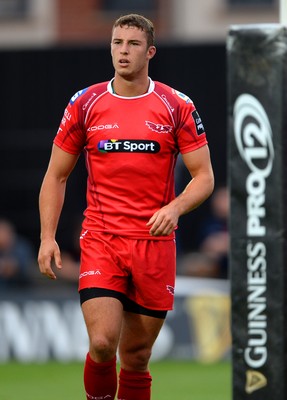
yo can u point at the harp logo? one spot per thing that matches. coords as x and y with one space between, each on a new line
255 380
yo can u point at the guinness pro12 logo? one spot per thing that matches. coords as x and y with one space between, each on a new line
253 137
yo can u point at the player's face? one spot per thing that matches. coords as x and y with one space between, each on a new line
130 53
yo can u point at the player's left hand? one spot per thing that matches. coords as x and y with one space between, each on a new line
163 222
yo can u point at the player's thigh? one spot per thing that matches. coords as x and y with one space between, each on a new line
153 280
103 318
138 335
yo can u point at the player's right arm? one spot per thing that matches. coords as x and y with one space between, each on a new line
51 201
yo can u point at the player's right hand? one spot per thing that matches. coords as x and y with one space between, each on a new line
49 251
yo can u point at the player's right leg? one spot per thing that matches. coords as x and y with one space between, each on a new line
102 283
103 318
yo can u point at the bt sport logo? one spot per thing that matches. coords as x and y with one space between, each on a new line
128 146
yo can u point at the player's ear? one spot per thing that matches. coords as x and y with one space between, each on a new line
151 52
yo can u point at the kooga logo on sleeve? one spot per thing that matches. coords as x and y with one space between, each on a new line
253 136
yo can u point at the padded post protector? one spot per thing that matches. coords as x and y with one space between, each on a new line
257 177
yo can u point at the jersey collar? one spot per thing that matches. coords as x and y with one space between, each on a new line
150 89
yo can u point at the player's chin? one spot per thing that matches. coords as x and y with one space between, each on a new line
125 73
120 69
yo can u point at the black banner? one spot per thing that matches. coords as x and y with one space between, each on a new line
257 112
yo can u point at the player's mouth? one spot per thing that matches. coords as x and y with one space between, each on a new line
123 62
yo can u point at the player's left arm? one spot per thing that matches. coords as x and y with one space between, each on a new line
200 187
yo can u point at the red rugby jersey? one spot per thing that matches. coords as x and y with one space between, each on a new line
131 146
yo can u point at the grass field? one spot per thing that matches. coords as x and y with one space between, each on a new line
171 381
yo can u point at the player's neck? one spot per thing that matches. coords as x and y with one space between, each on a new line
126 88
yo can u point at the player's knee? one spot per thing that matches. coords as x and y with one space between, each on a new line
137 360
102 348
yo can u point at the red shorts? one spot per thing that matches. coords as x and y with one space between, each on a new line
143 270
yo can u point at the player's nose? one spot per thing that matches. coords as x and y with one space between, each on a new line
124 48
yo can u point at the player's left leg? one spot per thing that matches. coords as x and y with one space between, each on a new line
149 296
138 335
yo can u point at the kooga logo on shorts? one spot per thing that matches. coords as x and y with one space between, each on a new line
128 146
